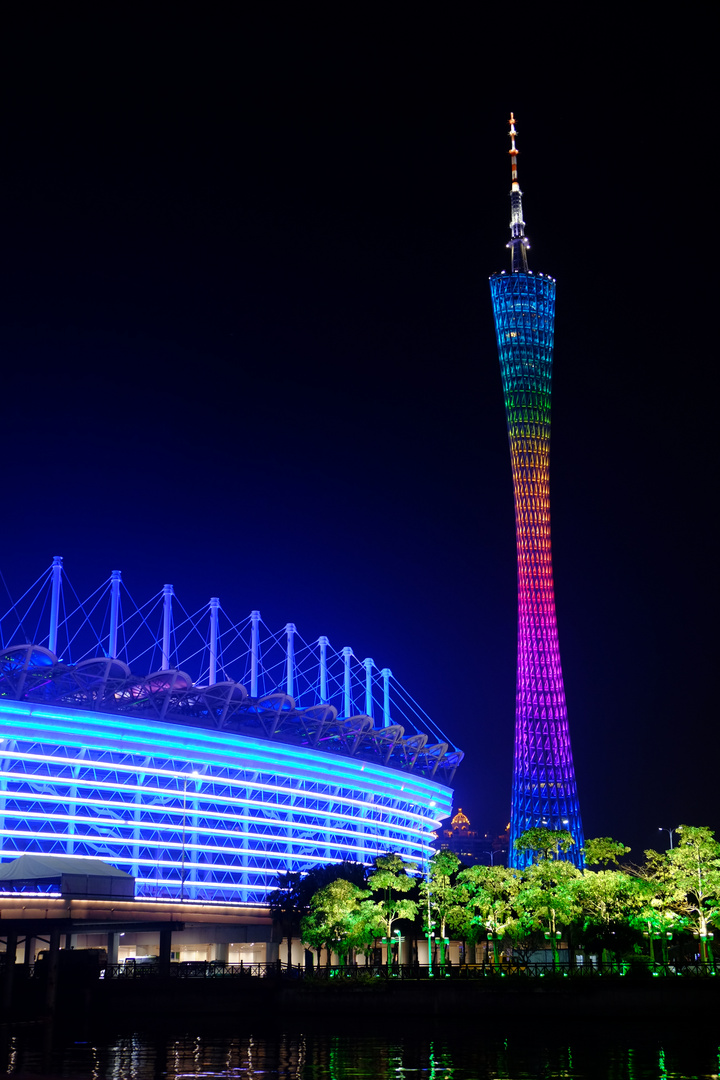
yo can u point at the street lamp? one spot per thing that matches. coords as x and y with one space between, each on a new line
429 932
492 854
669 832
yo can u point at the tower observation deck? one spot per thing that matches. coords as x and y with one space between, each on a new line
544 792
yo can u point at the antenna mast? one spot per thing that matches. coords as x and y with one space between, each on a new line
519 243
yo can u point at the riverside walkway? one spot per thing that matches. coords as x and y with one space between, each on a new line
407 993
514 969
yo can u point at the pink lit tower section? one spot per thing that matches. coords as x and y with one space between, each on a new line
544 790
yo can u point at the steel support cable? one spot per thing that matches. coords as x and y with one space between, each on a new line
143 623
272 654
41 617
194 628
158 643
86 616
11 608
43 581
219 646
64 620
265 669
236 630
421 714
206 649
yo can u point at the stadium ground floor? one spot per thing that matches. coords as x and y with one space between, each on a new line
143 931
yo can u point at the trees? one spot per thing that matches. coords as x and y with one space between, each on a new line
391 880
605 909
682 887
287 904
438 893
608 899
291 900
657 916
609 903
546 899
338 920
333 909
545 843
695 875
485 901
604 851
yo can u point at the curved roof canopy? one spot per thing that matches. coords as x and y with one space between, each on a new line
32 673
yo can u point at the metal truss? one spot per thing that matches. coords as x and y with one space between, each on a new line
197 812
31 673
286 689
544 788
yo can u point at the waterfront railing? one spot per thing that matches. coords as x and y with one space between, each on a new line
413 972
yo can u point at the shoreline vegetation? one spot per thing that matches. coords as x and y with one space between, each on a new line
625 939
612 912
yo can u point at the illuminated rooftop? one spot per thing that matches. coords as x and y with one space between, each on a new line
208 670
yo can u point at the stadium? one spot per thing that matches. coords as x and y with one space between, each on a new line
243 755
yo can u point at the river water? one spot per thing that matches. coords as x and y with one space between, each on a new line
431 1052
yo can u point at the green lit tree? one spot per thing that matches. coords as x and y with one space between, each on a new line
339 921
390 880
610 903
604 852
438 895
546 899
291 900
657 916
682 887
484 903
695 875
544 843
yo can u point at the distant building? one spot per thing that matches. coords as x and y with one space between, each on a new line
474 848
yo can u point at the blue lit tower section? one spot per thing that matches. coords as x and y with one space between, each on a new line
544 789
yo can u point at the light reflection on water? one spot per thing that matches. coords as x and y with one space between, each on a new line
306 1054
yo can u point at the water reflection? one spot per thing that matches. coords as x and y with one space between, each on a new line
306 1054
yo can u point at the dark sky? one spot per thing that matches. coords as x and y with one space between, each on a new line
248 349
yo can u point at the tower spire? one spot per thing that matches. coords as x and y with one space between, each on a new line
519 243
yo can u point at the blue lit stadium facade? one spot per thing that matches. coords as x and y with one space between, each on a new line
204 791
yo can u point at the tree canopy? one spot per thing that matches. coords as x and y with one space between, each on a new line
545 843
617 910
390 880
604 851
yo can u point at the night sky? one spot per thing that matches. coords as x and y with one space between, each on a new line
248 348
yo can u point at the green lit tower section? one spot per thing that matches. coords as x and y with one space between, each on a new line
544 792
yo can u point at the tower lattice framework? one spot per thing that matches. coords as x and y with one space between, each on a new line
544 790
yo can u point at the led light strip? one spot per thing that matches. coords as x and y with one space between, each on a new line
441 796
13 795
243 852
306 822
109 840
276 756
373 809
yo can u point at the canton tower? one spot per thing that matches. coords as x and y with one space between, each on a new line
544 792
